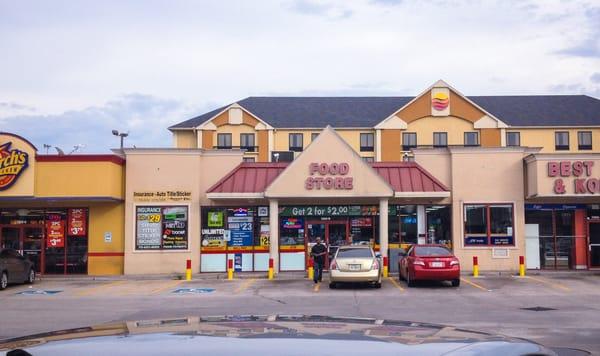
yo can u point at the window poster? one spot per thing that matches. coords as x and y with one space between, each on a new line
241 229
76 222
161 227
215 219
55 233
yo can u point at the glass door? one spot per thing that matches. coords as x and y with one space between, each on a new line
32 245
594 244
337 235
10 237
314 229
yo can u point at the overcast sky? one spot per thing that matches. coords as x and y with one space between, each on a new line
71 71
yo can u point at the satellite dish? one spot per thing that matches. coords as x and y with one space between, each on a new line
60 152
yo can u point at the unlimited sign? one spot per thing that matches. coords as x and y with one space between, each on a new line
329 176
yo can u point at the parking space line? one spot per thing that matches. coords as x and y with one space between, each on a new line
396 284
552 284
245 285
473 284
317 287
93 290
166 287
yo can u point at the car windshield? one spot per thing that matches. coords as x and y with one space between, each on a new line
432 251
354 253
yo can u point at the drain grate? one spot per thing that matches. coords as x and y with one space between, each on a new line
538 309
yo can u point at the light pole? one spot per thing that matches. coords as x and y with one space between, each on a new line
122 135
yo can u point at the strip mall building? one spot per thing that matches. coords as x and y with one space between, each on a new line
495 177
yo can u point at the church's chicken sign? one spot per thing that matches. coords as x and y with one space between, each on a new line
12 164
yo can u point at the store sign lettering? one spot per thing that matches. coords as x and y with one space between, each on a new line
12 164
328 177
581 170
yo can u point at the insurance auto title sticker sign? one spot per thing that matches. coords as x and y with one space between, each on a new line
12 164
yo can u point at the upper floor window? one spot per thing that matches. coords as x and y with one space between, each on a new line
313 136
584 140
471 138
224 140
513 139
440 139
368 159
366 142
561 140
409 140
247 141
296 143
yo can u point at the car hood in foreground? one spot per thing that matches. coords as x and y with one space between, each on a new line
271 335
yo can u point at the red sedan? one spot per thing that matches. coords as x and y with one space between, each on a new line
429 262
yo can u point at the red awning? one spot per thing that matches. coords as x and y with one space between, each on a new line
408 177
249 178
403 177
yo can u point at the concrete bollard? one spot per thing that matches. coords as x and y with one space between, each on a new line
188 270
311 269
270 273
385 266
230 269
521 266
475 267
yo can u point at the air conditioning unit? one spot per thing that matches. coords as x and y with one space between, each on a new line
283 156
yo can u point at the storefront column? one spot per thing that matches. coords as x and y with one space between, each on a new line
274 233
383 227
422 225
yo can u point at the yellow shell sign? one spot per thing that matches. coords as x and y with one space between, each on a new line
440 101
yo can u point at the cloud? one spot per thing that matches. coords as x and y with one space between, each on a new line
10 108
589 46
145 117
595 77
387 2
311 7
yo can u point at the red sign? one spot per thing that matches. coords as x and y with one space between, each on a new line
574 169
77 222
326 170
55 233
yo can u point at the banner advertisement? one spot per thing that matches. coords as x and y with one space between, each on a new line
55 233
76 222
242 231
161 227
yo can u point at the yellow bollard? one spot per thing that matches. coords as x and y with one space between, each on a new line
188 270
475 267
311 269
521 266
385 266
230 270
270 275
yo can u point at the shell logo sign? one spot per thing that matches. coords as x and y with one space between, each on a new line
440 101
12 164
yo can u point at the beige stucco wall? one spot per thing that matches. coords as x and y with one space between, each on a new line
351 136
185 139
498 179
171 169
545 138
455 127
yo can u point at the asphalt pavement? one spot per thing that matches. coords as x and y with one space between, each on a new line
554 309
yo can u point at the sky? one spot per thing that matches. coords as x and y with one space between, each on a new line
72 71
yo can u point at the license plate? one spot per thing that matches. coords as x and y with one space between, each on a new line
437 264
354 267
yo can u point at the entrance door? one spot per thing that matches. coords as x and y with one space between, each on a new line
594 244
333 233
28 240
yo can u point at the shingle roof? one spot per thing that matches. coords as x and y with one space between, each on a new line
318 112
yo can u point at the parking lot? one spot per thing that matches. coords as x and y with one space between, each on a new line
556 309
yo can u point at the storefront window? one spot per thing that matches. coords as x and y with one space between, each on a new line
361 230
161 228
489 224
438 224
291 232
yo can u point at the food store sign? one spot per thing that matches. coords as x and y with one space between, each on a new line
12 164
581 171
329 176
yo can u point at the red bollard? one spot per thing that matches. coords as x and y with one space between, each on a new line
230 269
270 274
385 266
188 270
521 266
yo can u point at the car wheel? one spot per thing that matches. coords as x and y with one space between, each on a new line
456 282
332 285
3 281
377 285
30 277
409 281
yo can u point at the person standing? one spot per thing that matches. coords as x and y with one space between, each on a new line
318 252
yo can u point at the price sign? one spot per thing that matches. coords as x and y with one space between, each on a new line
77 219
